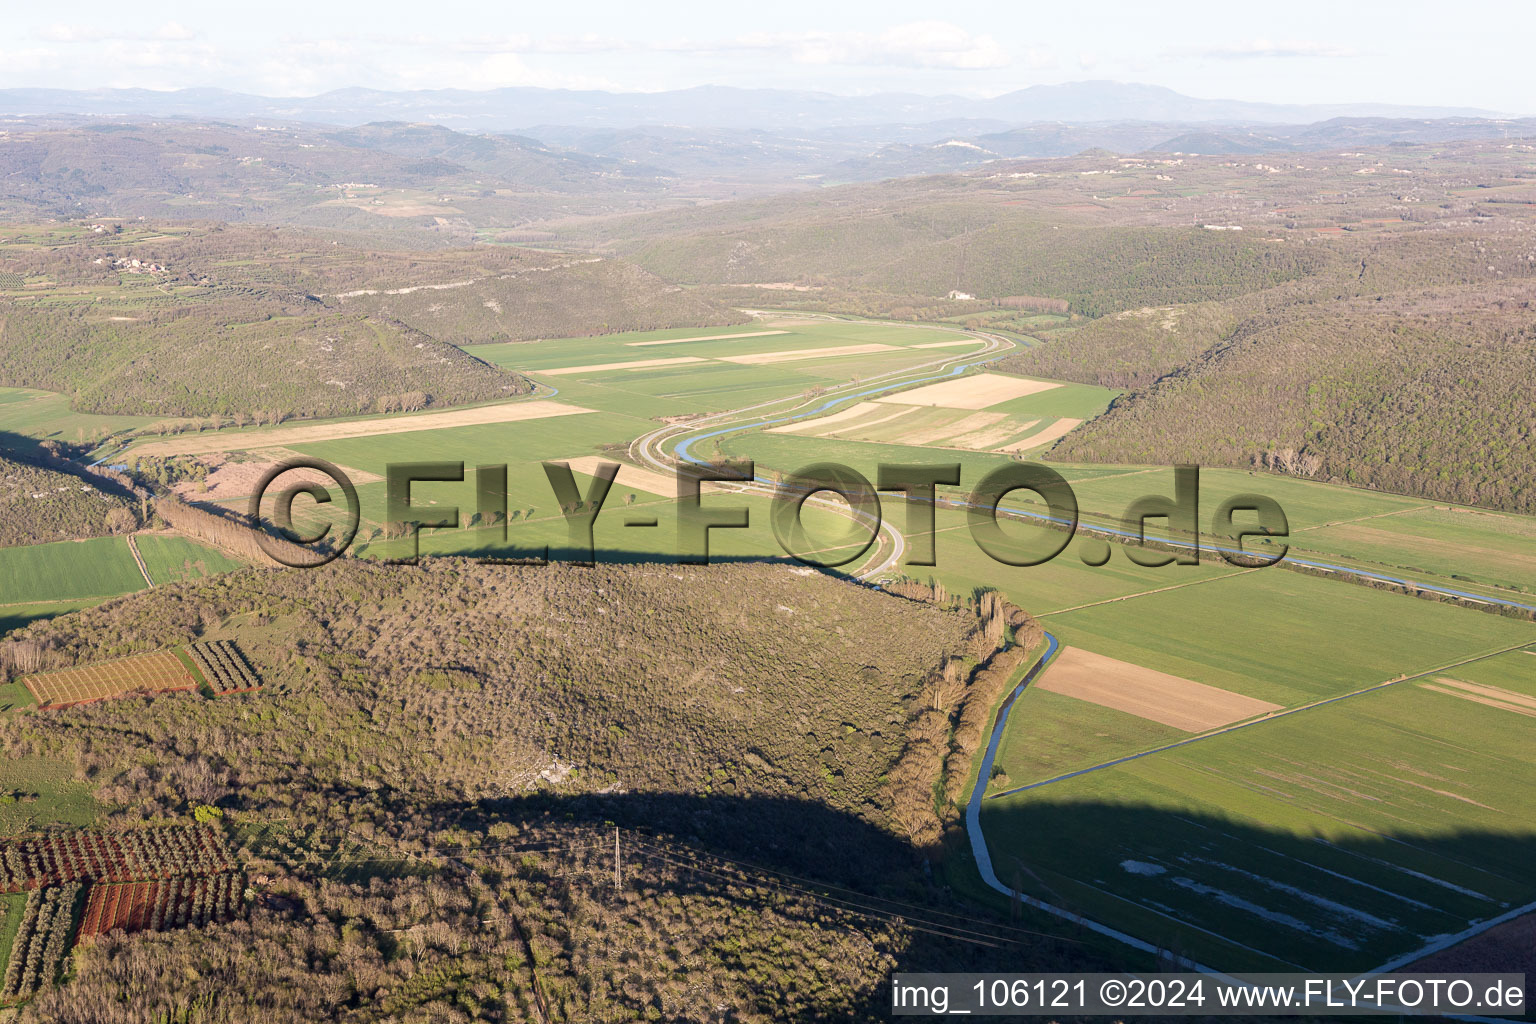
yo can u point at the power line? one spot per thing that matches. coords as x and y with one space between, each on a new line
940 927
881 899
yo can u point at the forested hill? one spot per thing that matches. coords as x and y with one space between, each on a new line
1440 403
425 791
184 320
1363 316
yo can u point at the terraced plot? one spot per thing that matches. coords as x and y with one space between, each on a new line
158 672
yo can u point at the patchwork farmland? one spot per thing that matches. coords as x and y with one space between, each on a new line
1236 772
1159 663
81 884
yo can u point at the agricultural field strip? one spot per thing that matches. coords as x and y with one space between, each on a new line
1054 431
506 412
977 392
1147 693
712 337
983 858
978 840
633 364
1361 519
1321 702
1143 593
794 355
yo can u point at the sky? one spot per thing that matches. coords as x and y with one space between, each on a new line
1471 54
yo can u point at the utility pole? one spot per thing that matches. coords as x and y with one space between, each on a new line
618 871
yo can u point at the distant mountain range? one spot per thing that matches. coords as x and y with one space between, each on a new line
516 109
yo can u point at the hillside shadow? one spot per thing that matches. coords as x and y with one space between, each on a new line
1236 896
30 451
1223 893
21 447
770 854
565 555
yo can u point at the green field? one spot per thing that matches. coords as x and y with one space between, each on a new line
1474 546
11 908
1271 634
68 570
714 385
14 616
44 580
1336 838
171 558
28 416
1284 637
49 794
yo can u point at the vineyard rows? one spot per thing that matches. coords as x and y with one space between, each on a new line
224 666
42 940
128 856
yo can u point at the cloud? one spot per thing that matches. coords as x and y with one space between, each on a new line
1265 48
61 33
917 44
173 31
170 32
174 55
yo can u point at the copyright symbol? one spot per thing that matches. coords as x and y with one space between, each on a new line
1112 992
283 544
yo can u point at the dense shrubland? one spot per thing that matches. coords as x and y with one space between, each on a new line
39 505
733 679
234 324
523 921
482 723
238 357
1130 349
1424 400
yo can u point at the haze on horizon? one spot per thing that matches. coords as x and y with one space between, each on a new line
1307 52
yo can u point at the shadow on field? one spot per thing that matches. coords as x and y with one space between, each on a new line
1224 892
1230 895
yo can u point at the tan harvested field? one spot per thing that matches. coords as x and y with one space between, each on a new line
633 478
636 364
975 392
929 435
1061 428
286 437
228 480
808 353
1147 693
706 337
981 440
951 344
851 413
855 429
159 672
